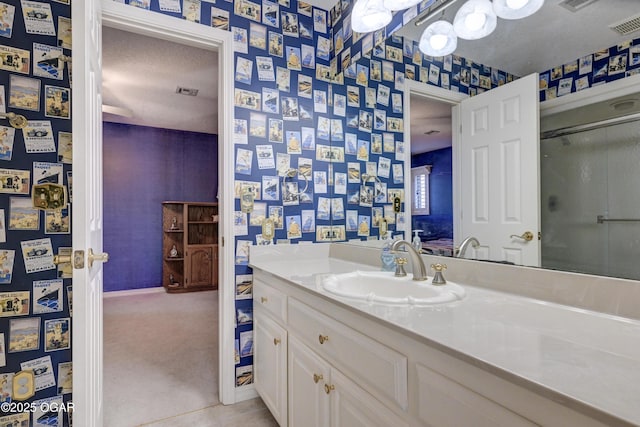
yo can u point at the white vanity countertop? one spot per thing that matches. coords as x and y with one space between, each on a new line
588 359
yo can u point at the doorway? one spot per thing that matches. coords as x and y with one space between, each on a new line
430 141
160 143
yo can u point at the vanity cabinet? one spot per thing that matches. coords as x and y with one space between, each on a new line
336 366
321 396
319 372
189 246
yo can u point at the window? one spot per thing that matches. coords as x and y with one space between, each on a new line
420 187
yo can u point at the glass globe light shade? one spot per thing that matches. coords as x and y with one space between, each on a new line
438 39
475 19
400 4
369 15
516 9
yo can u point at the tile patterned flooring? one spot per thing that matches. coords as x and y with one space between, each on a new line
161 364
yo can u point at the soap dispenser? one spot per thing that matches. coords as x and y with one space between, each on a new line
387 257
417 242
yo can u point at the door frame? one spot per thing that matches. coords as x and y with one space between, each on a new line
434 93
157 25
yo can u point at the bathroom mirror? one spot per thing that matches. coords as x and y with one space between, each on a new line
581 192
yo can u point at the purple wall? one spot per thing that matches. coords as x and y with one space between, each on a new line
439 224
142 168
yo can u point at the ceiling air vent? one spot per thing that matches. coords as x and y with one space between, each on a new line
576 5
186 91
627 26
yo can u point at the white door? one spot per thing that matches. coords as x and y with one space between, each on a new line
499 164
270 365
351 406
87 212
308 375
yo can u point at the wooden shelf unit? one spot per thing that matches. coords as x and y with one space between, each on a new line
195 237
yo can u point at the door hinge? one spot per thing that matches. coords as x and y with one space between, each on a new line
223 241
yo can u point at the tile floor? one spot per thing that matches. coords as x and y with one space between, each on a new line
161 364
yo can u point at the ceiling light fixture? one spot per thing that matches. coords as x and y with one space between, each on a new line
438 39
400 4
516 9
475 19
369 15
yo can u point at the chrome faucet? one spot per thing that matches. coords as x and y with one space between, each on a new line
417 264
465 243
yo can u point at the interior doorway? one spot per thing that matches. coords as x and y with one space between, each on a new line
160 349
432 144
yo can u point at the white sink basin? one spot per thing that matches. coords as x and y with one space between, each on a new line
382 287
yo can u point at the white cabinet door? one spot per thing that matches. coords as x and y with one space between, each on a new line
351 406
270 365
499 172
309 404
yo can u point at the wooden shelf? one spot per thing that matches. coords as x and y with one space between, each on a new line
196 238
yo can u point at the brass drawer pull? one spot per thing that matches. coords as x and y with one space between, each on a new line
317 378
323 338
263 300
328 388
276 341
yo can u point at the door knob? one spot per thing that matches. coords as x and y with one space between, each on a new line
526 236
91 257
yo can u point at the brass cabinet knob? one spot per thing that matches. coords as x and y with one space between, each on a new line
276 341
263 300
317 378
323 338
328 388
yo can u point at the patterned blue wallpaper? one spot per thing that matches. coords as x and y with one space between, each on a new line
603 66
314 112
35 295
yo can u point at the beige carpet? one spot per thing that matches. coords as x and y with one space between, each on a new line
160 356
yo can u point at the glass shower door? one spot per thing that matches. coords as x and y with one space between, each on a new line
587 176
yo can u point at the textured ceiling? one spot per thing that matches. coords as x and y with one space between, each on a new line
552 36
140 76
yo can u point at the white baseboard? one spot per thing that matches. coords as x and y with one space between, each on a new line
130 292
245 393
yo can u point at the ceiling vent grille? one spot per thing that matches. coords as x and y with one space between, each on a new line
628 26
186 91
576 5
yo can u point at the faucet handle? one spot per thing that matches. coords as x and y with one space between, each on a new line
438 278
400 263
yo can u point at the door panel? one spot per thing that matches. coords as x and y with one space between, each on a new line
308 373
499 176
87 212
200 267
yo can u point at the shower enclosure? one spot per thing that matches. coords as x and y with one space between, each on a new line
590 198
